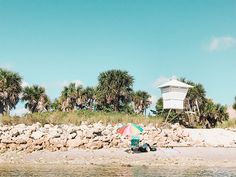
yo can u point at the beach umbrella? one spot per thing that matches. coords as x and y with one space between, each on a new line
130 130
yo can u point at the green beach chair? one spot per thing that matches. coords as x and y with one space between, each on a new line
135 140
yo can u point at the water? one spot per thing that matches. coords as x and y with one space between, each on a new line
112 171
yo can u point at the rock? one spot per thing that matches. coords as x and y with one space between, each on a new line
47 126
38 148
175 126
105 139
79 133
95 145
38 142
83 127
7 140
115 143
106 132
98 128
58 142
14 132
91 136
17 130
36 126
21 141
71 130
88 134
36 135
72 136
97 138
20 127
12 147
53 133
72 143
3 147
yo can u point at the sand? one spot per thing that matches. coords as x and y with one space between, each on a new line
219 151
192 156
213 137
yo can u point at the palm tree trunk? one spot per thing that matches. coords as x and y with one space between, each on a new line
1 109
117 104
198 110
8 110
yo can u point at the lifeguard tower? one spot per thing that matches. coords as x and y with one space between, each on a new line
173 93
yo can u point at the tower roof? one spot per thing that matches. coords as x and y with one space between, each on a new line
175 83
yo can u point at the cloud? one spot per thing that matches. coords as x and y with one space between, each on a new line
221 43
161 80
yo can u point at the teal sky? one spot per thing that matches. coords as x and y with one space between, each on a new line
53 42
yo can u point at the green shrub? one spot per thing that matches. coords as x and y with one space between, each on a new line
76 117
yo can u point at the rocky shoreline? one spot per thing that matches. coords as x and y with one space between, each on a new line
95 136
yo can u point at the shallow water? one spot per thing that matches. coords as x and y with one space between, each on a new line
110 171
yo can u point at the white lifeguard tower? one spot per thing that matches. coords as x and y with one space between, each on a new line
173 94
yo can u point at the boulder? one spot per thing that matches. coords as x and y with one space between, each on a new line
47 126
37 135
105 139
53 133
3 146
89 134
71 129
14 132
12 147
79 134
58 142
21 141
115 142
72 135
7 140
94 145
106 132
38 142
73 143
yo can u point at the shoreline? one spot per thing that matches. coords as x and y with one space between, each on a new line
179 157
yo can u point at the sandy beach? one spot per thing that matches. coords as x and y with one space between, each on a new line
189 156
38 145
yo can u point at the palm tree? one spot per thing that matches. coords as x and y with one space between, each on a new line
141 101
56 105
213 114
10 89
208 113
70 97
114 89
234 105
196 97
88 97
36 99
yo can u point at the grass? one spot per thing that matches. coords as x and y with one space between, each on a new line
77 117
231 123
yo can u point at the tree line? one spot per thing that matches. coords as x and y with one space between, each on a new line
114 92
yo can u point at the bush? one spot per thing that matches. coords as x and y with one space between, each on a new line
76 117
228 124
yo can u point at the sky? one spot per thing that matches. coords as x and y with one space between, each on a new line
55 42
